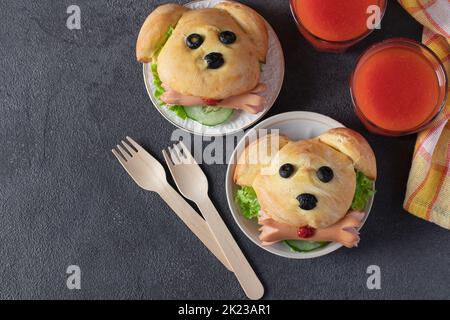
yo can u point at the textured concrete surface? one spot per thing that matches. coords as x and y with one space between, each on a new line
68 96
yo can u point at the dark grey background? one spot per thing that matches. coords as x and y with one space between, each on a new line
68 96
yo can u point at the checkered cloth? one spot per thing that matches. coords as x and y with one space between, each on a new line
428 189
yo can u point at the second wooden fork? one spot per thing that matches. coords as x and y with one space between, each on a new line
192 183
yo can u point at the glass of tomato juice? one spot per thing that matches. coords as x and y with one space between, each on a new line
398 87
335 25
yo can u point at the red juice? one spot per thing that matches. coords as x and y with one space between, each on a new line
398 87
329 24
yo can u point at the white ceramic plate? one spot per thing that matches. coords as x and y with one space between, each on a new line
296 125
272 75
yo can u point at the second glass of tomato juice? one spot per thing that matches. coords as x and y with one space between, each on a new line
398 87
335 25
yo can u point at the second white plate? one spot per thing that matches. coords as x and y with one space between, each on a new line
297 125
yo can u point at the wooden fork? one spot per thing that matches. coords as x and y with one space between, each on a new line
149 174
192 183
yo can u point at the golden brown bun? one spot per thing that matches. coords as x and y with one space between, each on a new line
184 69
355 146
154 29
255 156
278 196
253 24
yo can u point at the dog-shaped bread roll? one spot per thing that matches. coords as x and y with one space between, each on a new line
307 183
212 53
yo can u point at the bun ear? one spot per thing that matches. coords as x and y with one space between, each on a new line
252 23
256 156
352 144
154 30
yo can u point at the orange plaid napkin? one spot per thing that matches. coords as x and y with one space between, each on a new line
428 189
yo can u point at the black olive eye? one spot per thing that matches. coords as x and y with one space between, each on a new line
227 37
325 174
286 170
307 201
193 41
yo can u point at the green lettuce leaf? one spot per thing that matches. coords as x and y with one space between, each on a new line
248 202
164 40
364 190
179 111
159 90
157 82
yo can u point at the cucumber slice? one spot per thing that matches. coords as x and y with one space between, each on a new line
303 245
209 116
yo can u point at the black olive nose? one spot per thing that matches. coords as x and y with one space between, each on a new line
214 60
307 201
